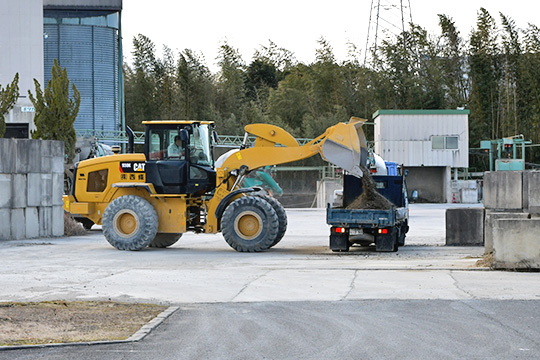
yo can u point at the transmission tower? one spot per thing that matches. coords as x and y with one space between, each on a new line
387 18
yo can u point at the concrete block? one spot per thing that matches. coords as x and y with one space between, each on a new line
18 224
6 201
5 224
8 155
516 244
33 196
465 227
23 155
503 190
46 156
57 189
45 221
57 221
19 191
489 223
46 189
531 191
57 153
32 222
34 156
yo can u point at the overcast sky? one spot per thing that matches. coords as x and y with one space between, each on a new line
295 25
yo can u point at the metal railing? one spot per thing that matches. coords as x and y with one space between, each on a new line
120 137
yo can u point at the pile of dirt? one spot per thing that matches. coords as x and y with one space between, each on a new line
78 321
72 227
370 199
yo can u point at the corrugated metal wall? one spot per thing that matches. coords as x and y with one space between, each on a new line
406 139
90 55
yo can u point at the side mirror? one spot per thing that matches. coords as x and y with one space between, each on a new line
406 172
215 137
184 136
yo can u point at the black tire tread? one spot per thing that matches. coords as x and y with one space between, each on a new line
163 240
270 224
282 217
147 229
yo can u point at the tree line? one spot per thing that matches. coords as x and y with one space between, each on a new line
494 71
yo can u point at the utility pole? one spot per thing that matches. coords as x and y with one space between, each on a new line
387 18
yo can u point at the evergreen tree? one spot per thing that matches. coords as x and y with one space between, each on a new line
56 110
8 98
484 72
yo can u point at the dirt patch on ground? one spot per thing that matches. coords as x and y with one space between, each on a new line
486 261
370 198
62 321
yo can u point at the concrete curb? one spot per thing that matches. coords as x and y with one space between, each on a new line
138 336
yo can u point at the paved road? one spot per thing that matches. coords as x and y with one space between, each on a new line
367 329
297 300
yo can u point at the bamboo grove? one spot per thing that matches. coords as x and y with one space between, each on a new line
494 71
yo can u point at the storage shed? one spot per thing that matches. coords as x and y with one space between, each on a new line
428 143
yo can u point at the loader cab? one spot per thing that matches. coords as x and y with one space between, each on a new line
179 156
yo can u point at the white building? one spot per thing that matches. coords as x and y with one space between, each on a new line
84 36
21 46
428 143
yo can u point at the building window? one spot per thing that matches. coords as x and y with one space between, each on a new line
444 142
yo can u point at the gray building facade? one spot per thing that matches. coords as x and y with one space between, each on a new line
21 46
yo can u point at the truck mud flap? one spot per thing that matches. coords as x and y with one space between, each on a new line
386 241
339 242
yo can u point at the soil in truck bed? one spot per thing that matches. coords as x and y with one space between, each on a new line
370 199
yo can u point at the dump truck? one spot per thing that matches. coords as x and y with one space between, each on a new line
386 228
152 198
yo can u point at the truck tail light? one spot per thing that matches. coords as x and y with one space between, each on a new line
383 231
339 230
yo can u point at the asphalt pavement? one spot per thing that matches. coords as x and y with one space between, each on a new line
296 301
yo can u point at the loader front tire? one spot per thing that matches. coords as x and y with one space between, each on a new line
282 217
130 223
250 224
163 240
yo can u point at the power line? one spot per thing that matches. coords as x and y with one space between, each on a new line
390 12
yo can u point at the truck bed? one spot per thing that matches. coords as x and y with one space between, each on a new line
364 217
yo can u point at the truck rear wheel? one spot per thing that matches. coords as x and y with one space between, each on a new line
130 223
282 217
250 224
163 240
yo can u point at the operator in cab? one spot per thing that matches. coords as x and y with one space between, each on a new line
176 149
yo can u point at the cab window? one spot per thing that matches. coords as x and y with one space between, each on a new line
97 181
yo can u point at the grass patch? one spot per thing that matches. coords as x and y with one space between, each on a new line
71 321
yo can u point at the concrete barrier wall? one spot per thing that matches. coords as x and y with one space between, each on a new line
516 244
491 218
531 191
31 188
465 227
503 190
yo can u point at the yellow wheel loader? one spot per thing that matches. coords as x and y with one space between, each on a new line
151 199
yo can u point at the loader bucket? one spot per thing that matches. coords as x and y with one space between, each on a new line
345 146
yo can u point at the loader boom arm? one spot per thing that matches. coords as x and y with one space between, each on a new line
343 144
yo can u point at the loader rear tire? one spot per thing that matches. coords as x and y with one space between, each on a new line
282 217
163 240
130 223
250 224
